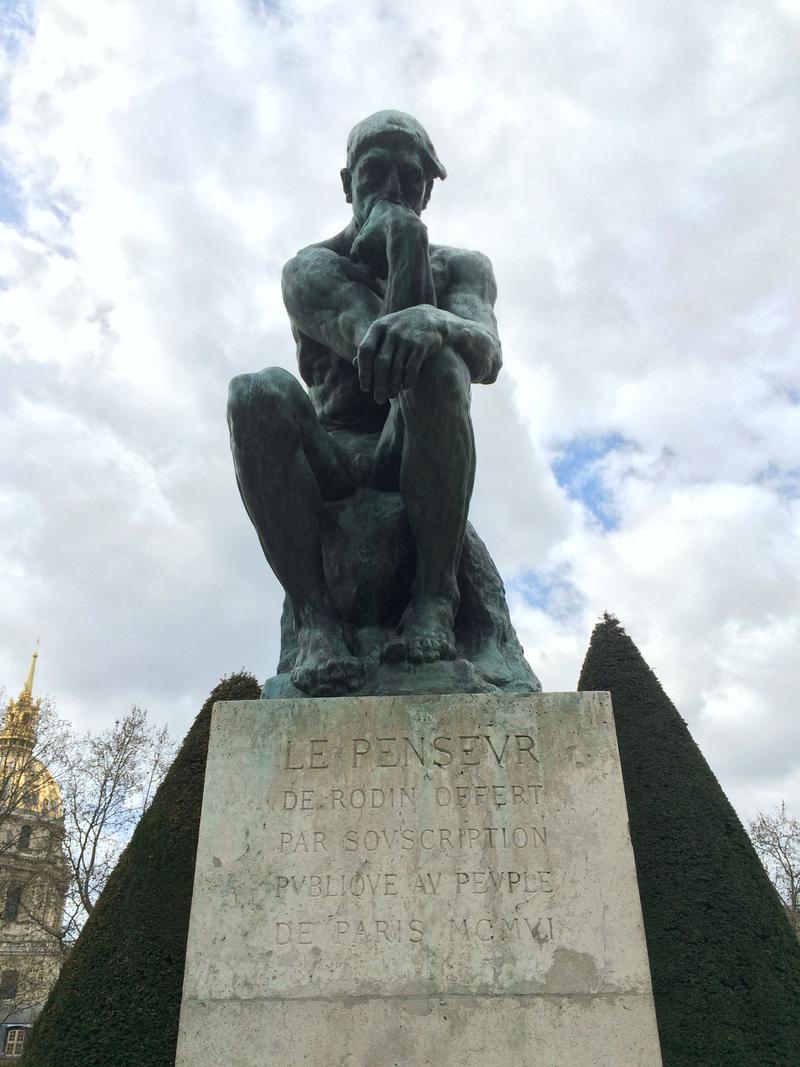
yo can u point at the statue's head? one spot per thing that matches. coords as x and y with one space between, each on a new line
389 157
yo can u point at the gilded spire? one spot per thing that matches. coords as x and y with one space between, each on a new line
22 715
28 689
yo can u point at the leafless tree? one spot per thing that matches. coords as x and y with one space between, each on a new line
776 836
106 781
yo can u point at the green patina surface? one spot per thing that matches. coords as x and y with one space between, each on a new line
724 961
117 1001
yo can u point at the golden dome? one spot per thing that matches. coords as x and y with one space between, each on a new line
25 782
30 785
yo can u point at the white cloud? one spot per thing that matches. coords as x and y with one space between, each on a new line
631 170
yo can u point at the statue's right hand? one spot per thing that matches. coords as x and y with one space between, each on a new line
387 223
369 248
395 347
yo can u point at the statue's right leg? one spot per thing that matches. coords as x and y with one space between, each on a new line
286 465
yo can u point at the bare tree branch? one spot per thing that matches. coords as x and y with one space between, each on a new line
59 867
776 837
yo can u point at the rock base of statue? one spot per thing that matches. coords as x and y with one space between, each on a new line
419 880
369 562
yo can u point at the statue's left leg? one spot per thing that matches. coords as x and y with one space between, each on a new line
437 470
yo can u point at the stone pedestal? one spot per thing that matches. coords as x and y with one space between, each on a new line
417 880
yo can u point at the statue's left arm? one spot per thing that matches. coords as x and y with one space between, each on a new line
468 315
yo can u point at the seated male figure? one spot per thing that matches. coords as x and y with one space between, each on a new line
390 331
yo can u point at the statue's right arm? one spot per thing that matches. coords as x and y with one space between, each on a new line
330 299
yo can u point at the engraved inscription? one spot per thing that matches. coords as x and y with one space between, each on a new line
416 847
446 819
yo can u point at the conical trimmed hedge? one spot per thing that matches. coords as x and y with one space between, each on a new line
724 960
117 1000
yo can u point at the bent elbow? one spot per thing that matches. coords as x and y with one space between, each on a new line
495 366
291 280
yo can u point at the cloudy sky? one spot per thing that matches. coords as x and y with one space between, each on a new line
630 167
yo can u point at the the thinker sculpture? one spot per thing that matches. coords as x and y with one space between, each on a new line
359 489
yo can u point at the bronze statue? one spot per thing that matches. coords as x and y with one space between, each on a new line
377 459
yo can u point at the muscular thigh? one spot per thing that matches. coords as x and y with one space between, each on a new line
283 412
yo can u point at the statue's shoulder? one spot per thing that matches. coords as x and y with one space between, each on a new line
302 266
463 268
341 244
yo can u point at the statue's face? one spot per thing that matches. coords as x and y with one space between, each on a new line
392 173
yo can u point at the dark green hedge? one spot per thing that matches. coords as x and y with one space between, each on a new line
724 960
117 1000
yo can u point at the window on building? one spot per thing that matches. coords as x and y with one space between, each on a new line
9 981
13 901
25 837
15 1039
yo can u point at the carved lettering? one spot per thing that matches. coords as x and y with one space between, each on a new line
503 928
427 883
445 757
498 756
305 841
488 810
294 933
362 931
464 796
336 885
360 748
465 750
495 881
431 839
315 754
391 797
289 765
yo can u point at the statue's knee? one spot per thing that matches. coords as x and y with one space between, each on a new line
265 391
444 378
239 393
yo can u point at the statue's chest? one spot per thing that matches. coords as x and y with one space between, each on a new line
441 277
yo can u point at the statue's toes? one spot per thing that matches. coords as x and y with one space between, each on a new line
353 674
337 676
303 678
430 649
327 683
416 651
394 651
447 649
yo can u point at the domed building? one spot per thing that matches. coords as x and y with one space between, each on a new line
33 871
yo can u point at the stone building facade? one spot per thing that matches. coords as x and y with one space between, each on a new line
33 871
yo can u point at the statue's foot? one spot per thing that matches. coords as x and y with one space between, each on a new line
324 665
426 634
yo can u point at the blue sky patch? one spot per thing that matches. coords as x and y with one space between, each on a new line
785 482
17 21
551 592
10 210
577 470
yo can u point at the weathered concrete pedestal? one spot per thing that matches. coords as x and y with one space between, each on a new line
409 881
